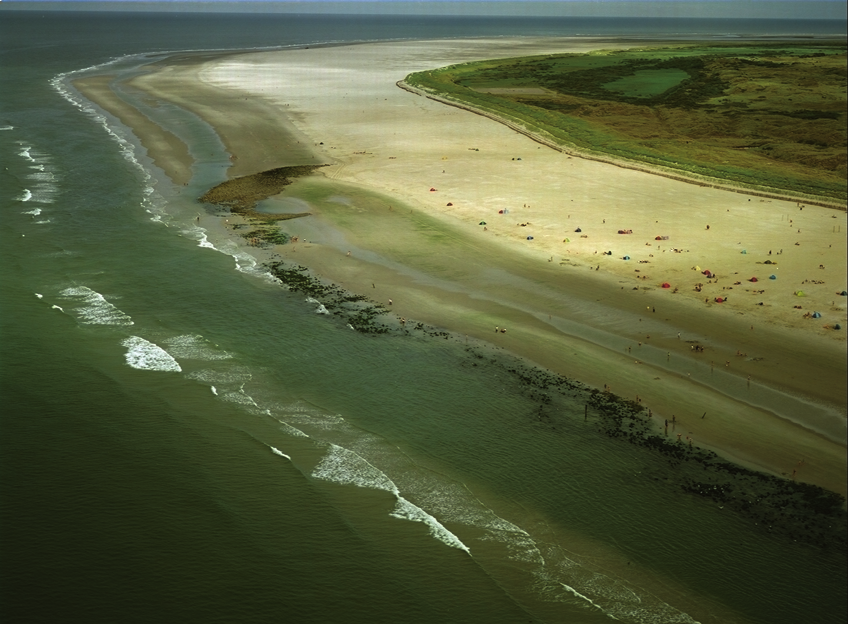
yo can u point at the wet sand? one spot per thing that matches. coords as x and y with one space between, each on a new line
566 307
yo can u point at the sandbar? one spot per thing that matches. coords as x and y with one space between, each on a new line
507 209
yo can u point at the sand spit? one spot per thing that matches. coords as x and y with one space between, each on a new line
531 242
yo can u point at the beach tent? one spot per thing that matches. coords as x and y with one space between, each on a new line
753 279
432 189
772 276
578 230
566 240
816 315
719 300
837 326
500 211
626 258
844 293
529 238
482 223
697 268
450 204
666 285
800 293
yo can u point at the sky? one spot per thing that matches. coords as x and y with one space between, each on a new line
778 9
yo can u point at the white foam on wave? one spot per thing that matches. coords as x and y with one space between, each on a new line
145 355
204 242
34 212
195 347
7 127
25 153
405 510
345 467
214 390
277 451
39 295
26 195
95 310
292 431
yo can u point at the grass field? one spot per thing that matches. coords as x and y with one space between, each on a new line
767 117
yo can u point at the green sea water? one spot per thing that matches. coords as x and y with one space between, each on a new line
183 439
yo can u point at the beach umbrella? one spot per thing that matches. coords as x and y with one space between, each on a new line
626 258
529 238
816 315
697 268
753 279
772 276
719 300
666 285
658 238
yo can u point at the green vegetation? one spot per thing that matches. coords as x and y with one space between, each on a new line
766 117
647 83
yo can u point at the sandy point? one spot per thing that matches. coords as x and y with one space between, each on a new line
581 241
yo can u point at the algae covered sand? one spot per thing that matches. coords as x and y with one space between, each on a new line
766 117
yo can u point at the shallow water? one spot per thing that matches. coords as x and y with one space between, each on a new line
184 435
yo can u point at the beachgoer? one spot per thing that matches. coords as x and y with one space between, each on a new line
390 302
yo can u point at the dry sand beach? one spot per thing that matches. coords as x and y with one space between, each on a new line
434 208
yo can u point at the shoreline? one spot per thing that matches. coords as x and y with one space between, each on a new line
538 334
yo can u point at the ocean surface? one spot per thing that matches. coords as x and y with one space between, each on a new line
184 440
